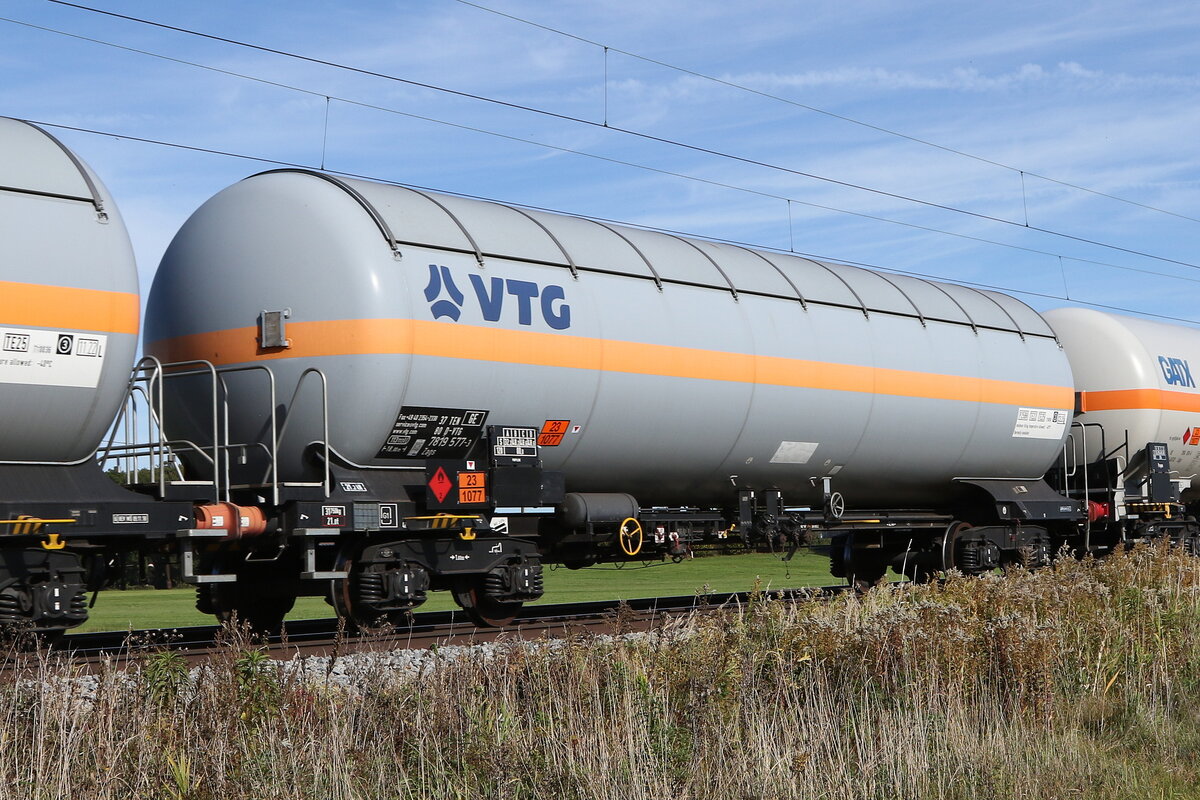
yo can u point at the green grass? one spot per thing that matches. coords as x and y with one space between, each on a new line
170 608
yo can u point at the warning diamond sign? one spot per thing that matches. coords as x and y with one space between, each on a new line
440 484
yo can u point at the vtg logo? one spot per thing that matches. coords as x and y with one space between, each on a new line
551 299
1176 371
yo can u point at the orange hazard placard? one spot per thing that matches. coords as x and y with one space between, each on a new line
472 480
468 496
552 432
472 487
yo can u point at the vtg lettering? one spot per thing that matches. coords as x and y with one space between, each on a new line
492 292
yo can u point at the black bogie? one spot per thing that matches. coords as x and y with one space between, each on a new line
42 589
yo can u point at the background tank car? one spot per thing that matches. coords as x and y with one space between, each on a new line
69 312
68 301
1134 378
1134 451
672 369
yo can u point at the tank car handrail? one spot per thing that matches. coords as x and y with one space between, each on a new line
1123 446
102 452
376 217
996 303
457 221
158 372
657 278
83 460
1087 489
389 467
188 443
911 302
131 429
273 450
152 424
733 289
846 283
52 195
1029 478
571 265
96 200
953 299
782 274
158 375
324 418
158 450
150 371
147 448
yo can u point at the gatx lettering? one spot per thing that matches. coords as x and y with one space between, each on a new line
1176 371
493 294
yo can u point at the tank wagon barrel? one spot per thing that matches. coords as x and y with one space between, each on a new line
675 368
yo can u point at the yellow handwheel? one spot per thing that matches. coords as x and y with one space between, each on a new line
631 537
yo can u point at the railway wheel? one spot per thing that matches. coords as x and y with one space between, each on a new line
378 596
240 602
264 592
861 567
484 611
950 543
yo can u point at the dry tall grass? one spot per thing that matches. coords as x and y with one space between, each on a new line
1078 681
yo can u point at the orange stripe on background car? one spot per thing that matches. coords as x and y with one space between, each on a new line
1134 399
444 340
34 305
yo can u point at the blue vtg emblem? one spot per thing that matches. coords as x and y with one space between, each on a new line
1176 371
491 294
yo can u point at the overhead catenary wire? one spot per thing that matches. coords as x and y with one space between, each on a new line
818 257
825 112
327 98
625 131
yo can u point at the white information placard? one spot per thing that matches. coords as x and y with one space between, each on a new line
51 358
1041 423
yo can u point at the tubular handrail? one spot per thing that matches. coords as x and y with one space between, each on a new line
328 449
271 476
327 482
146 385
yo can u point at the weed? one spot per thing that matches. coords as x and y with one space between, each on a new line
1078 680
164 674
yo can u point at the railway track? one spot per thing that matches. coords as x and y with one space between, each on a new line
325 637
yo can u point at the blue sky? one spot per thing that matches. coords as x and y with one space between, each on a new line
989 101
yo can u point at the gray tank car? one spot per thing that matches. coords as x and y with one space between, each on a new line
69 311
1134 450
671 369
357 330
69 305
1134 378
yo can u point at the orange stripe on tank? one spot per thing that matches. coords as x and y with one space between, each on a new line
476 343
33 305
1135 399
